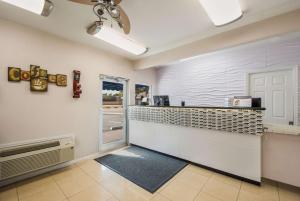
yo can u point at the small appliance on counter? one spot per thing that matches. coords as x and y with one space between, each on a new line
161 101
242 101
182 103
256 102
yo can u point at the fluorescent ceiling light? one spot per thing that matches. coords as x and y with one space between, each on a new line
188 59
117 39
40 7
222 12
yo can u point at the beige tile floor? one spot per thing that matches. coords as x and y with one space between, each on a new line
90 181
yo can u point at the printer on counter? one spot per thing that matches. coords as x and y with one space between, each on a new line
243 101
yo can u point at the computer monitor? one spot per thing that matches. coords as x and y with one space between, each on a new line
161 100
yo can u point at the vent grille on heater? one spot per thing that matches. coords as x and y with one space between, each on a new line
25 149
28 163
21 159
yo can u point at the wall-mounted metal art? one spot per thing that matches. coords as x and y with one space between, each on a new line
37 76
25 75
38 79
76 84
14 74
61 80
51 78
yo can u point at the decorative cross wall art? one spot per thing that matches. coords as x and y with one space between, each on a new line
38 77
76 84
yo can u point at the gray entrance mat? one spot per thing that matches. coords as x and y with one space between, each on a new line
148 169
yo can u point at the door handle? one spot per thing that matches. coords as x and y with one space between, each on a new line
116 128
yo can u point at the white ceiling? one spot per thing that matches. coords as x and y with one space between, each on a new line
159 24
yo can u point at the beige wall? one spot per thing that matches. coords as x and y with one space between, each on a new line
257 31
25 115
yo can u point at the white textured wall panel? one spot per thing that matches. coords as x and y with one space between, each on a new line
210 78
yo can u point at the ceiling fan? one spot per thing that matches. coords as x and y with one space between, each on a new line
110 7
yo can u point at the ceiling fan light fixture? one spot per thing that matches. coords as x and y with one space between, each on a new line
115 12
222 12
116 38
40 7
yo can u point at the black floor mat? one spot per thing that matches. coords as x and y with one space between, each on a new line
146 168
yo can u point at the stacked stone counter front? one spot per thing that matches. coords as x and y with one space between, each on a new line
235 120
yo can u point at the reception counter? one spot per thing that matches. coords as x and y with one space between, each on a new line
227 140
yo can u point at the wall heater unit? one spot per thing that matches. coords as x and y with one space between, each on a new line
20 159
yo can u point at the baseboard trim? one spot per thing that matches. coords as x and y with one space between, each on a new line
207 168
281 184
228 174
48 169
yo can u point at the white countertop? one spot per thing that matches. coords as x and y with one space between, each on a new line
282 129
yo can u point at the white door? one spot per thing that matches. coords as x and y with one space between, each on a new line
276 90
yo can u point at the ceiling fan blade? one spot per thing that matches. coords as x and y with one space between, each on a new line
124 21
87 2
117 2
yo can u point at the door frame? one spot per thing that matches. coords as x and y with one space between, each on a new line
120 143
295 71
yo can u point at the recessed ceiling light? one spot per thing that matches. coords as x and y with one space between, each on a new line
222 12
116 38
40 7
